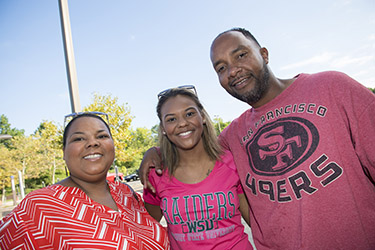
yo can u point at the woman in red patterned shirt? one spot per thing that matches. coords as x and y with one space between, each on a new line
84 210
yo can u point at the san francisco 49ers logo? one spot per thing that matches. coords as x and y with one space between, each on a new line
282 145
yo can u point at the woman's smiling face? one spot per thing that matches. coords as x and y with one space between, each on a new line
182 122
89 151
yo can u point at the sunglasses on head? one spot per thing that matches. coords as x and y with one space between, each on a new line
70 117
187 87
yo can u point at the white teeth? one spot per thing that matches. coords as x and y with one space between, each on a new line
240 82
93 156
185 133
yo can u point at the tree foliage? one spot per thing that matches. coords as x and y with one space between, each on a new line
5 129
38 157
219 124
50 160
8 166
142 140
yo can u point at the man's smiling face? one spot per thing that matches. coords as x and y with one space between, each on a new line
241 66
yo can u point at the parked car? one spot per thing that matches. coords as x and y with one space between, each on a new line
132 177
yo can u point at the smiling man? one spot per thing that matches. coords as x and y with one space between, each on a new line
304 151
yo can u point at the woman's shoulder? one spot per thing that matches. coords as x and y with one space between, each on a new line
123 189
45 191
54 194
37 199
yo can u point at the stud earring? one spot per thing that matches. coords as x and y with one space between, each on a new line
164 133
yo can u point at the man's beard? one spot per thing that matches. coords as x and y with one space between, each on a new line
261 86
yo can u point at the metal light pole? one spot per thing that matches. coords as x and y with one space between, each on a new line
69 56
13 190
117 178
22 189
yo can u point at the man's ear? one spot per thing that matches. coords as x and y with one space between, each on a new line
264 53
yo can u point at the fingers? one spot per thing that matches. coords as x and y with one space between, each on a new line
145 166
143 172
150 159
144 178
158 167
148 185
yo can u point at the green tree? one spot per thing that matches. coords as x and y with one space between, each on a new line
38 157
219 124
50 154
142 139
25 156
6 129
155 134
8 167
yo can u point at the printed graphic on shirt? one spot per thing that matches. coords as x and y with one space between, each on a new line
282 145
307 108
197 217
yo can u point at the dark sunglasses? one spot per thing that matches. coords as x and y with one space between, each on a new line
187 87
71 116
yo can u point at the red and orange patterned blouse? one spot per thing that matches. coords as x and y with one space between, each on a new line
58 217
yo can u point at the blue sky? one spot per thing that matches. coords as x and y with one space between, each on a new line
135 49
